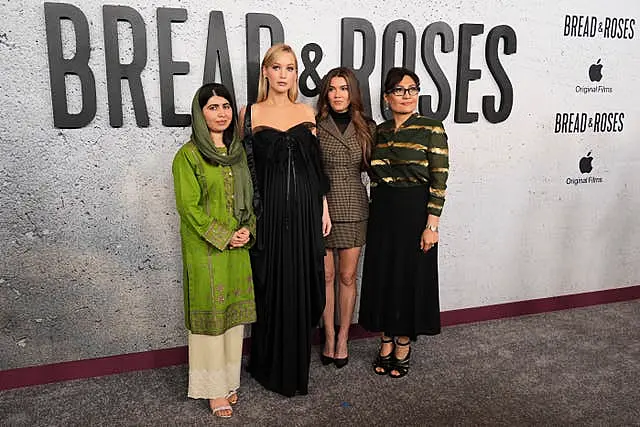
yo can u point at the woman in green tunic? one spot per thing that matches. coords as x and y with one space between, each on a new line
213 197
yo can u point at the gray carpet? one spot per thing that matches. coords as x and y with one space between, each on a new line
576 367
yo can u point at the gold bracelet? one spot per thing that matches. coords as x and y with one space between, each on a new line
433 228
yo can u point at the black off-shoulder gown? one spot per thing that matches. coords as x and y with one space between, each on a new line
287 258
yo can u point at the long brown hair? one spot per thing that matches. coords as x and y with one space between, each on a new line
360 121
269 58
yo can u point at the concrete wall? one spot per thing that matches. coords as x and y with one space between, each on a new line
89 242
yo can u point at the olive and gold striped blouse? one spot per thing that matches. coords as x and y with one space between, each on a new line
414 154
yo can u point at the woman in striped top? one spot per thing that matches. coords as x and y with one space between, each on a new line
409 170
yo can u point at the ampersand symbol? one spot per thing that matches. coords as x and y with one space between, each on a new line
600 27
590 122
309 71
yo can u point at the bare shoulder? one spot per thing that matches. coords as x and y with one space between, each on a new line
307 112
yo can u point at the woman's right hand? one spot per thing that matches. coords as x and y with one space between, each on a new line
240 238
326 218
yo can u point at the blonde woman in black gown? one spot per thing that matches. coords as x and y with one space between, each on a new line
287 258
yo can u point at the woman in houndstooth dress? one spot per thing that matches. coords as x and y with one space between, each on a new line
345 135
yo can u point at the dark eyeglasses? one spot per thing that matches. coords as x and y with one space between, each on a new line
401 91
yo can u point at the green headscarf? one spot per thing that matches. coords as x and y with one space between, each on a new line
235 157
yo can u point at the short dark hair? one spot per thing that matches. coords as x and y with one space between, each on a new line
395 74
216 89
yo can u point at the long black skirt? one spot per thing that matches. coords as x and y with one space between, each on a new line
399 282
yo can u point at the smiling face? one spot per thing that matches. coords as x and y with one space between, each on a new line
282 73
403 103
338 94
218 114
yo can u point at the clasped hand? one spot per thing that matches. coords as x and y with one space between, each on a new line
240 238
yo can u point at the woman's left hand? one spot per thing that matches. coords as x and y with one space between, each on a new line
428 239
240 238
326 219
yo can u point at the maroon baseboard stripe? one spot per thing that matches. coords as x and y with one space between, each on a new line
540 305
87 368
64 371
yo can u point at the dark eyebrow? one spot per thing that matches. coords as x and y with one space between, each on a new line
218 105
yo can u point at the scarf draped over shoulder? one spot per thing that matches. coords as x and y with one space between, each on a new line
235 158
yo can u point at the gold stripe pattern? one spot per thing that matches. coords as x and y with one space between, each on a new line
400 179
439 170
383 162
437 193
437 150
434 129
410 145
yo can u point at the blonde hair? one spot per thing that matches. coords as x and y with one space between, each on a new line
268 60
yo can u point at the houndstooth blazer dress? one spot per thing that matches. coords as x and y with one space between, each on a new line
348 200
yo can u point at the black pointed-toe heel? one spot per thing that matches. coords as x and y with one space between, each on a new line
326 360
341 363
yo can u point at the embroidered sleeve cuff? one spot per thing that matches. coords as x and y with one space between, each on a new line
218 235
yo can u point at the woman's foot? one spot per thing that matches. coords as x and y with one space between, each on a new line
220 407
382 361
341 357
326 357
401 357
232 397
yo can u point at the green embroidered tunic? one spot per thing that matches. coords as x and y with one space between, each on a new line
217 281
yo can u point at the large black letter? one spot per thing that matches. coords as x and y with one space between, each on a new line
445 32
78 65
117 71
495 67
218 53
350 26
394 28
465 74
255 21
168 67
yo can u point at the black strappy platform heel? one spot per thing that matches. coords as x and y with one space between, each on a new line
401 366
381 364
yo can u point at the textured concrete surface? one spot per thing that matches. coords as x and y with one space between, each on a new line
568 368
89 247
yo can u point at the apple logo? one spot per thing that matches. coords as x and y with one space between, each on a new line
595 72
585 163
